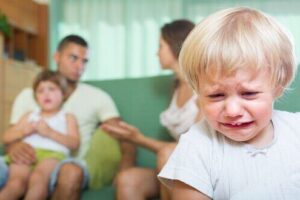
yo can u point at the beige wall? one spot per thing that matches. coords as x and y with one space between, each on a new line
14 76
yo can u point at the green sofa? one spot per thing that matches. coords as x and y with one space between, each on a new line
140 102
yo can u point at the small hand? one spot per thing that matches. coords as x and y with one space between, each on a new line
122 131
43 128
21 153
28 128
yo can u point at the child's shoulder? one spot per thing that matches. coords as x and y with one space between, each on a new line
285 116
286 122
28 115
69 116
202 132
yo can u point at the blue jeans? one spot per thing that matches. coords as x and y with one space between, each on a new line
3 172
79 163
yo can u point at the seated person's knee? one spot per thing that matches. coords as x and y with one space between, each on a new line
126 178
70 173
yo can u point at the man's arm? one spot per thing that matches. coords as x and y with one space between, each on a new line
19 151
128 149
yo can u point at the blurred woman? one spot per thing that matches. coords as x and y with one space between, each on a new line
183 111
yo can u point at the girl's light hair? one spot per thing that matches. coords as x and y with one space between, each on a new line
51 76
237 38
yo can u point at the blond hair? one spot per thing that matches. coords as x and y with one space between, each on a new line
237 38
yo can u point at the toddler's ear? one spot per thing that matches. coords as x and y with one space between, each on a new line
278 91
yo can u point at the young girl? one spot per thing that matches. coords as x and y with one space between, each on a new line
239 61
51 131
142 183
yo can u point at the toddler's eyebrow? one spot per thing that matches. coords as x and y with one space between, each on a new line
212 88
249 85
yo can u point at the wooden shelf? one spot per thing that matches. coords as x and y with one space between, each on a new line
22 46
29 39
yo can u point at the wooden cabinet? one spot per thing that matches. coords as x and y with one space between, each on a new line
29 39
21 46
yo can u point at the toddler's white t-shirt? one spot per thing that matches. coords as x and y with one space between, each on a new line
224 169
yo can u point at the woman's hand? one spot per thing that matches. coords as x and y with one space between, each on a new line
128 133
122 131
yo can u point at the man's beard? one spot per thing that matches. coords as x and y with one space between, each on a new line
69 81
72 82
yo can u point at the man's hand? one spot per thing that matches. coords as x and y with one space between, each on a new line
21 153
122 131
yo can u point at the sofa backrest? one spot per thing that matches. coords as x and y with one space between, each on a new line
140 101
290 101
